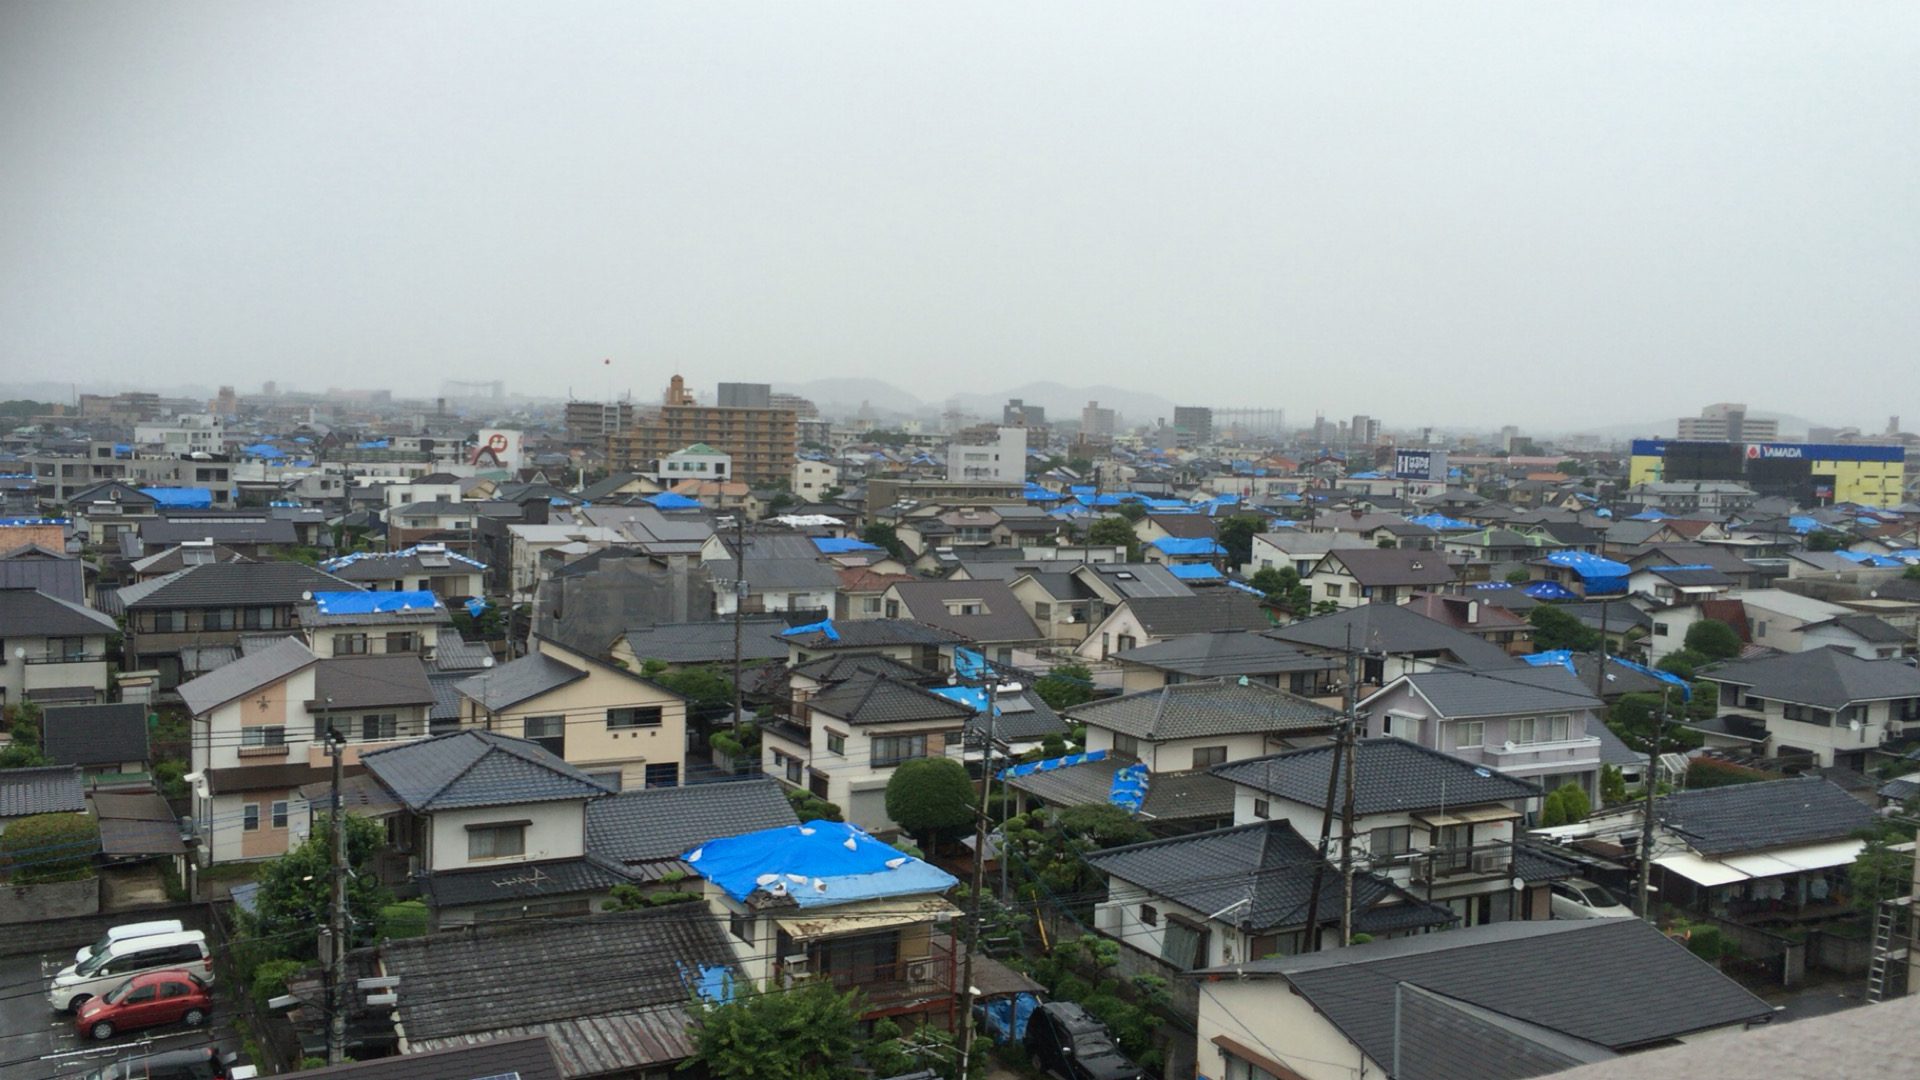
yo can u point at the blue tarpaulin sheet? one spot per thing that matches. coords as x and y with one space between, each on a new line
476 607
1006 1017
1442 521
1865 559
264 450
969 664
667 500
1036 493
1550 591
973 697
369 603
1598 574
1195 572
1129 791
815 864
1014 772
1562 657
1802 524
843 545
824 626
1187 545
1651 514
1686 691
189 498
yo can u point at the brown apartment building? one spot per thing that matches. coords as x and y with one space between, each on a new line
762 441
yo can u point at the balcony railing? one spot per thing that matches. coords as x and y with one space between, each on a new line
70 658
1451 864
880 985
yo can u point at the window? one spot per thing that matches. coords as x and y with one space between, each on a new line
666 774
502 841
403 641
793 770
168 622
1126 744
262 736
256 618
1539 729
611 779
280 814
1391 841
375 727
1042 612
894 749
1245 1070
217 619
740 926
1149 914
641 717
550 732
250 817
870 605
1205 757
1468 734
349 644
1333 590
1262 809
836 743
817 784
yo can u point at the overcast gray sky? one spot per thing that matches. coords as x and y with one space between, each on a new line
1543 214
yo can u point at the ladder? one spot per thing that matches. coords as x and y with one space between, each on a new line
1887 955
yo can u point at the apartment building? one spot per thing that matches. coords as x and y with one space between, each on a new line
761 441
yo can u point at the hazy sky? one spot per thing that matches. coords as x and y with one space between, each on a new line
1547 214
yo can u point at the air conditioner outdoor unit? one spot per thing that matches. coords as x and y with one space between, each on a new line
920 971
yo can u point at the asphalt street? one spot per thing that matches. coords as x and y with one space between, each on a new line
37 1043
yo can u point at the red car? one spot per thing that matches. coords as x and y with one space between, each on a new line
144 1001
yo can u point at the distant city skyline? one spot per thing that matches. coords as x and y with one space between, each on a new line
1462 216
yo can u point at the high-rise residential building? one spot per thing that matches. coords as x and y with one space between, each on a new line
1363 430
589 423
1004 460
762 441
1727 422
1193 424
1096 421
1017 413
745 395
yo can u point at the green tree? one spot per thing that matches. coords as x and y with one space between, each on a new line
1826 540
1713 639
1283 586
1574 803
1065 685
932 798
1236 535
296 890
1682 662
807 1032
1553 809
1051 846
1269 580
49 847
1555 629
1613 786
810 807
1115 532
1133 510
1911 573
885 535
706 686
1880 872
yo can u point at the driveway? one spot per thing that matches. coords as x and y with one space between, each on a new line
37 1043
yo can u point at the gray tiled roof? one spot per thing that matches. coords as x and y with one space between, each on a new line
520 881
94 734
1266 862
244 675
1635 987
29 613
779 574
528 1057
1390 775
60 575
476 768
1131 580
839 667
1613 751
1225 653
228 584
1003 618
1171 796
1867 628
156 531
451 652
1201 613
1829 678
661 823
1497 693
446 695
874 633
1209 707
49 789
1382 567
1441 1038
707 642
1389 628
1023 717
516 681
883 699
1755 817
371 682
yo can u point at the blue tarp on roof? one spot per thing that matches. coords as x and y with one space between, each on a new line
824 626
186 498
1549 591
374 444
1014 772
1800 523
1187 545
667 500
1036 493
1865 559
1370 474
973 697
369 603
1441 521
1598 574
477 606
1244 587
1562 657
969 663
1493 585
1650 514
1129 791
264 450
816 864
1909 554
843 545
1195 572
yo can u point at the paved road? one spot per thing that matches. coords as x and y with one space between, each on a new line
37 1043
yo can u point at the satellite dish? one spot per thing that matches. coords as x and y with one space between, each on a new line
1853 725
1519 884
487 663
307 595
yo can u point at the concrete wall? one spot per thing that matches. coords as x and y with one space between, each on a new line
55 900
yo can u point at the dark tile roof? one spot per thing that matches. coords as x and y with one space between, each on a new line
48 789
1390 775
1382 567
451 652
661 823
1829 678
162 531
528 1057
874 633
839 667
1867 628
520 881
1266 862
1201 613
175 558
245 675
94 734
476 768
1023 717
1002 617
1209 707
1225 653
446 695
520 680
1635 987
229 584
30 613
1495 693
1186 526
1440 1038
1171 796
1390 628
269 777
1133 580
1690 578
1755 817
707 642
883 699
371 682
53 573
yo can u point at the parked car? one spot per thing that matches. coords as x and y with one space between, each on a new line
1576 898
202 1064
1068 1043
129 930
122 960
144 1001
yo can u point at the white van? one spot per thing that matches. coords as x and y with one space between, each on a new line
184 951
130 930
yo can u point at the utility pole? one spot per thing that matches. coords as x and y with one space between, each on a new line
1312 942
1346 808
979 886
337 925
1646 812
739 602
1600 672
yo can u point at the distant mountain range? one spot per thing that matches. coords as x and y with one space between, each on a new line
845 396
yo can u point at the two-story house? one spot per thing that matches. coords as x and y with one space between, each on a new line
1351 577
52 651
1827 704
361 623
1200 724
494 827
622 730
985 613
825 900
1534 723
1297 548
1433 824
1150 620
451 576
1392 641
1226 654
912 643
252 750
211 607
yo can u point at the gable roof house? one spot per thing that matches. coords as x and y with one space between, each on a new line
985 613
1393 641
189 622
645 832
1351 577
1471 615
1226 654
107 742
1196 725
1150 620
1486 1003
55 650
1826 704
